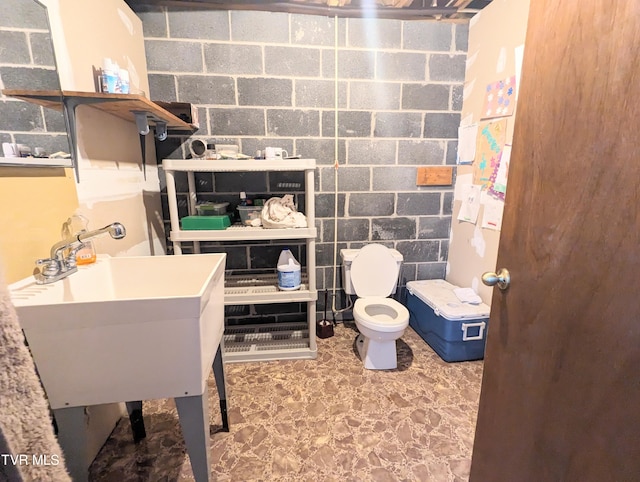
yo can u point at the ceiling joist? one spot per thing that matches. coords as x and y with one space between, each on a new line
387 9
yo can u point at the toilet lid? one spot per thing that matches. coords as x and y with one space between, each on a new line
374 271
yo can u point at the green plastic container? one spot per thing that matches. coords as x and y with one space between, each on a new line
205 222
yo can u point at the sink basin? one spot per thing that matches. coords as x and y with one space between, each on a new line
125 328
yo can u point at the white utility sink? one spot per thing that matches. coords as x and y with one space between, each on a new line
125 328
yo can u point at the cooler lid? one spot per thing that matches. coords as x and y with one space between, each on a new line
439 295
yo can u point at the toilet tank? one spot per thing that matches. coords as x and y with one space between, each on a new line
348 255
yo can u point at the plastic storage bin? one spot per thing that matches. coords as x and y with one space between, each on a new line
249 213
212 209
456 331
205 222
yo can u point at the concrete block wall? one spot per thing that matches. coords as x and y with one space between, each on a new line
268 79
27 62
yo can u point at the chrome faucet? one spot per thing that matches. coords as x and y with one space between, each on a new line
59 266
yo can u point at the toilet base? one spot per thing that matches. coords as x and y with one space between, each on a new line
377 355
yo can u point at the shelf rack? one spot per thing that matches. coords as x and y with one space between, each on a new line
274 341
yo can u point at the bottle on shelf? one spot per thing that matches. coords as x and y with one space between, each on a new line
289 273
109 76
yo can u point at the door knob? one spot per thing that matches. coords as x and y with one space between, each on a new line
502 278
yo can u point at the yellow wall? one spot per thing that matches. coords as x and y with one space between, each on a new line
35 202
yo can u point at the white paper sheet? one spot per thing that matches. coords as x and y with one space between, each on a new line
467 137
467 120
492 215
519 52
470 204
460 191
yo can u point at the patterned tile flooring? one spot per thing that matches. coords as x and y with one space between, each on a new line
327 419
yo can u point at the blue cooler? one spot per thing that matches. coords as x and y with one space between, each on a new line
455 330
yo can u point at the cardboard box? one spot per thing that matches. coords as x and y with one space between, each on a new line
182 110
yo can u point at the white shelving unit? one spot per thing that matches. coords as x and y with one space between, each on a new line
266 341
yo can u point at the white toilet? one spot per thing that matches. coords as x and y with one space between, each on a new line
373 276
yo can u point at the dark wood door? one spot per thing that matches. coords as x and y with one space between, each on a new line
560 396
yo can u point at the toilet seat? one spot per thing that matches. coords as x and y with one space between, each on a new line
374 271
381 314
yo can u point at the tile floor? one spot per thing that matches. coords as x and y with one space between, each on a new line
319 420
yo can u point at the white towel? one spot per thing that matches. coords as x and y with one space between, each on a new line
281 213
25 423
467 295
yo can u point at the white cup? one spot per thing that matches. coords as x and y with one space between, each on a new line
275 153
10 149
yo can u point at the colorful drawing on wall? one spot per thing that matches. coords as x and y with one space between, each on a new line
491 140
498 180
500 98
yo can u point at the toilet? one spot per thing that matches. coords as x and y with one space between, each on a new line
372 275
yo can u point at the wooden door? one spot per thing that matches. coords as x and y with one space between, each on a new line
560 395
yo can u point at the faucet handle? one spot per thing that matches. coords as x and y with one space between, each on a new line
70 261
50 267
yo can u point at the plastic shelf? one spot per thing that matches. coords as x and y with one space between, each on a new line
241 233
262 289
268 342
237 165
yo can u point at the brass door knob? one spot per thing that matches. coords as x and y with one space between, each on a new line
502 278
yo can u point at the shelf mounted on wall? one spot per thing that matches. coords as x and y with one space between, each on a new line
131 107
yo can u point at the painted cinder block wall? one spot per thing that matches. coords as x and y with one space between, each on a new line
267 79
27 61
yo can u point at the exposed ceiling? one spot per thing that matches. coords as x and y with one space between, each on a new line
393 9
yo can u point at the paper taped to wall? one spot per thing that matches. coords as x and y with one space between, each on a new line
491 140
467 138
499 99
492 214
470 204
462 181
519 56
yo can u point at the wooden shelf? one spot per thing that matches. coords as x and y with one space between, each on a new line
35 162
130 107
119 105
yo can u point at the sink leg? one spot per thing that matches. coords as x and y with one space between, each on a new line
218 373
134 409
72 437
193 413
